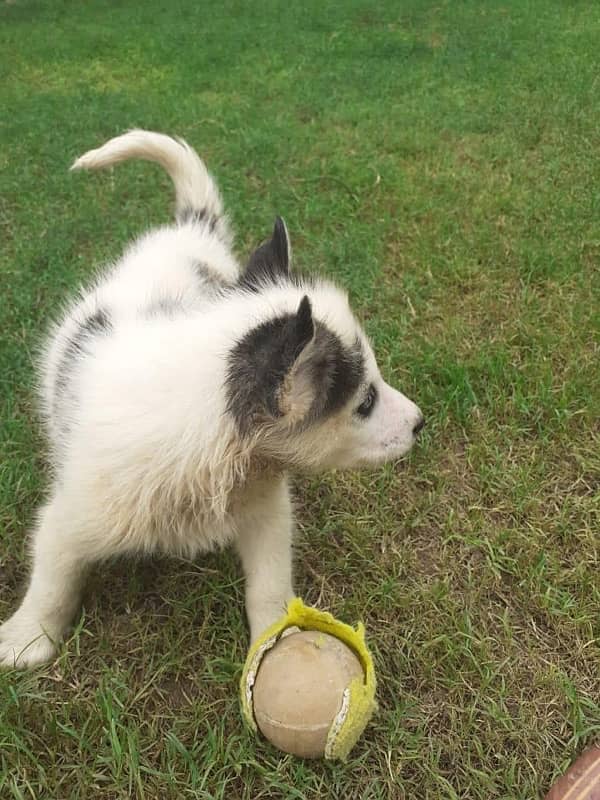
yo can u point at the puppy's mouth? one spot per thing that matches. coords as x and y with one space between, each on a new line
387 455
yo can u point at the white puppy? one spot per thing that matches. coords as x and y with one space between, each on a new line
179 390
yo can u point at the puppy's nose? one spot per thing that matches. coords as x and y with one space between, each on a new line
419 426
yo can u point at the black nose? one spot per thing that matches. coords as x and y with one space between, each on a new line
419 426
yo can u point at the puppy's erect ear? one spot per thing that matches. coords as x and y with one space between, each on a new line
324 374
298 390
291 369
268 376
305 327
271 260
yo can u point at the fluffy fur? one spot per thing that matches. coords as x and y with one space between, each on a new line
178 390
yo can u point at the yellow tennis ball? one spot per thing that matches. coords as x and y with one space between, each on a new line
310 692
299 691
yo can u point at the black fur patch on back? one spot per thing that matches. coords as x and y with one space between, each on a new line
199 216
259 363
209 279
96 324
165 307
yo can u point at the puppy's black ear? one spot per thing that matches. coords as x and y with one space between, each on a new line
324 373
271 260
299 389
305 327
267 376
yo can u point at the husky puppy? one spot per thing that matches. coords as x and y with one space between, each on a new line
179 390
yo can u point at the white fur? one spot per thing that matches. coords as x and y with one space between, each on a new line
194 185
146 456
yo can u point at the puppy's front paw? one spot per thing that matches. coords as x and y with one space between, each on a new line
23 643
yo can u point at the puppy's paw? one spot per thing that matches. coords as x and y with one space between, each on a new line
24 644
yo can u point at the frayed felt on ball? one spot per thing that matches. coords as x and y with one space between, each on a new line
310 692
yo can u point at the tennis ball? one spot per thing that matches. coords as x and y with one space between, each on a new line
300 689
308 683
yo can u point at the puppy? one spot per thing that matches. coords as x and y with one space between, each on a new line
179 390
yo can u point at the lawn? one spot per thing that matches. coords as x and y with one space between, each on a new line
442 161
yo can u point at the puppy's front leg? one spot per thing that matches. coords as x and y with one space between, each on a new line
265 547
61 554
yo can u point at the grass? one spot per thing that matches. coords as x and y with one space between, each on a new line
441 161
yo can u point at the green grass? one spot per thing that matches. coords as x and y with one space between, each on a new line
441 160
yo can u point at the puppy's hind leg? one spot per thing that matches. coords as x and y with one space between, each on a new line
60 558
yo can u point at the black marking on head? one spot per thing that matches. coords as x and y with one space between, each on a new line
336 370
270 262
261 362
198 216
96 324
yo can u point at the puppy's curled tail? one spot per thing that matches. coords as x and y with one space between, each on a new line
197 197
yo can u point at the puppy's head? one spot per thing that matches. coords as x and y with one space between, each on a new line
304 382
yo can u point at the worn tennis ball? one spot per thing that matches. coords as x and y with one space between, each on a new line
300 688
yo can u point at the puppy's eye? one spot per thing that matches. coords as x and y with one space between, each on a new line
368 404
